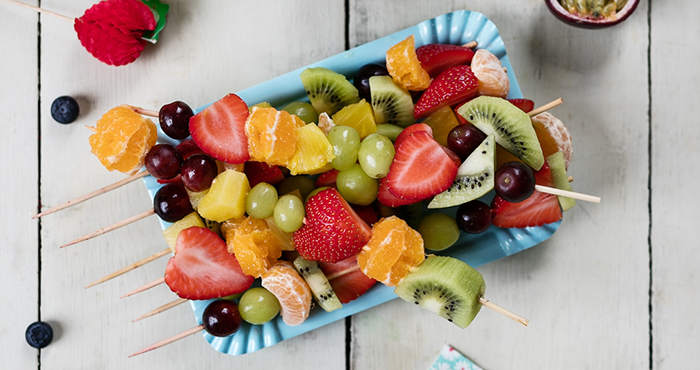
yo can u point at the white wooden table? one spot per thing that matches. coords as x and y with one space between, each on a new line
615 288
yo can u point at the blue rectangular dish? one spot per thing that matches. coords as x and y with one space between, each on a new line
457 27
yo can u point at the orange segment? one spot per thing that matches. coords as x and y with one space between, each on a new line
392 251
253 243
283 281
271 135
359 116
553 136
122 139
442 121
314 152
504 156
493 80
405 68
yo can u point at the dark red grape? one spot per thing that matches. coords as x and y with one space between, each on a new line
172 203
362 78
175 119
463 139
198 171
473 217
515 182
163 161
221 318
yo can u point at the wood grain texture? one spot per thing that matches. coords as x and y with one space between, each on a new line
675 137
19 242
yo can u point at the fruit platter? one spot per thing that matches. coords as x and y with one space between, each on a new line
358 179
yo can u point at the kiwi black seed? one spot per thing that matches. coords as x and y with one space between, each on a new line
391 103
475 177
444 286
512 127
328 91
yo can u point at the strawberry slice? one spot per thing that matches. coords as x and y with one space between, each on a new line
410 130
537 210
327 178
332 231
385 197
525 105
258 172
202 268
220 129
449 88
421 168
346 279
436 58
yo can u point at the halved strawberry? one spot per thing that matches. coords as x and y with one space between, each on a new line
258 172
187 148
436 58
410 130
525 105
366 213
449 88
537 210
346 279
327 178
175 180
220 129
385 197
421 168
332 231
202 268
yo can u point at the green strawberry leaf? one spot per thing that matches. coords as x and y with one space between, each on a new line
159 11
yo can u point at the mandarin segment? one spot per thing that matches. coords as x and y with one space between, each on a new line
493 80
256 247
271 135
442 121
405 68
553 136
294 295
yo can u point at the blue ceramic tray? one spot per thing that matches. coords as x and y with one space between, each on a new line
458 27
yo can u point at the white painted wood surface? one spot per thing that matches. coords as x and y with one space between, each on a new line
586 290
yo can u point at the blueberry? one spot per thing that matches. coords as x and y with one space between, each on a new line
39 334
64 109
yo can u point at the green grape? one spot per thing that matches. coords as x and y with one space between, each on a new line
316 191
289 213
302 183
439 231
389 130
258 306
375 155
303 110
346 142
356 187
261 200
233 297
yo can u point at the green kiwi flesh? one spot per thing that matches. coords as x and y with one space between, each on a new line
475 177
557 164
391 103
317 281
444 286
328 91
512 126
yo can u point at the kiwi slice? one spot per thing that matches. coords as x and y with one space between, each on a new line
328 91
557 164
512 126
475 177
444 286
317 281
391 103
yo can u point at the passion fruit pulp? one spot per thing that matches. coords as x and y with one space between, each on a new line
592 13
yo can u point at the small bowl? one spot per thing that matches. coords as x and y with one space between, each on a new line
583 22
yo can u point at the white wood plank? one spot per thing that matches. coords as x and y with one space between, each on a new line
19 254
675 135
584 290
208 49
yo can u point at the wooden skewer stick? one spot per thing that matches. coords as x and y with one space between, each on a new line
471 44
145 287
162 308
174 338
93 194
545 107
566 193
503 311
109 228
145 112
41 10
130 267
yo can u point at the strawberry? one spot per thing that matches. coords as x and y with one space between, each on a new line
175 180
332 231
421 168
525 105
187 148
220 129
385 197
346 279
436 58
411 129
202 268
258 172
462 120
327 179
366 213
449 88
537 210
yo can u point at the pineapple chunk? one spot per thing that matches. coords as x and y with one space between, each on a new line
359 116
442 121
196 197
186 222
314 152
226 197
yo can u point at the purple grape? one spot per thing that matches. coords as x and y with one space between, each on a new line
473 217
463 139
163 161
175 119
221 318
198 171
362 78
515 182
172 203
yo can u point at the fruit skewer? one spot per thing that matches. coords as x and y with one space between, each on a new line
111 227
144 287
162 308
126 269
